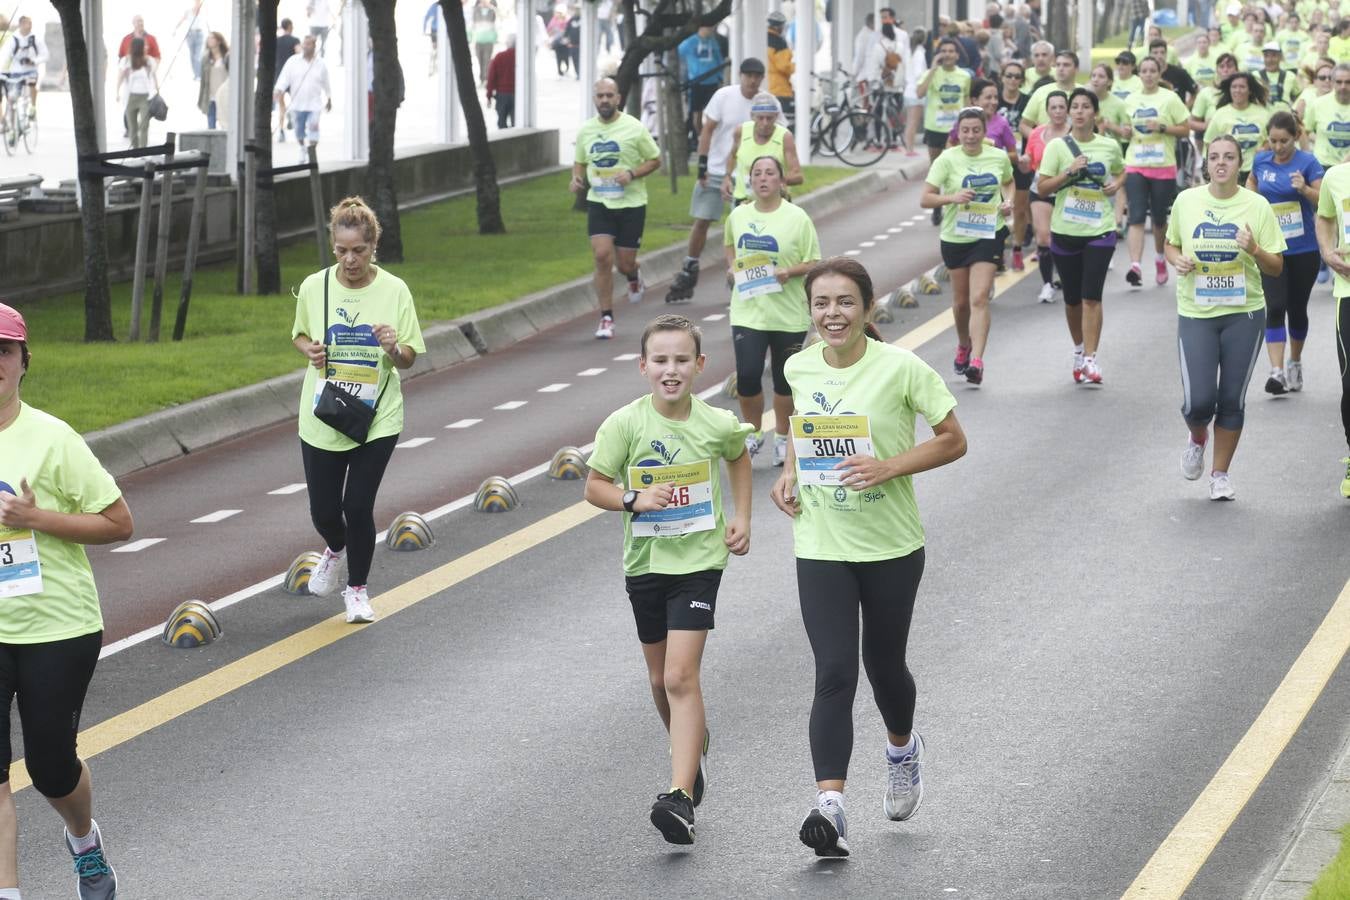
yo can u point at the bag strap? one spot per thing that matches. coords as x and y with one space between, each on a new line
1074 149
390 377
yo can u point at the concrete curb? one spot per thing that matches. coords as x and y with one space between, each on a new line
170 433
1317 840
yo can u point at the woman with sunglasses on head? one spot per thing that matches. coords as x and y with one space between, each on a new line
1290 179
1241 112
970 186
1012 102
1319 80
1222 238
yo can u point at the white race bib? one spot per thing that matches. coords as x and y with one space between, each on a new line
1084 206
607 187
755 275
20 569
691 505
945 118
355 379
976 220
1290 217
1150 153
1221 283
822 442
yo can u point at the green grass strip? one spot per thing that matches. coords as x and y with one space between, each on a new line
234 340
1334 882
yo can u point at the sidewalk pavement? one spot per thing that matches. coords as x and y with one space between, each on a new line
1317 840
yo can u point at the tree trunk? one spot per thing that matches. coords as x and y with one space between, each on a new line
97 301
675 128
657 38
484 169
388 90
632 99
265 206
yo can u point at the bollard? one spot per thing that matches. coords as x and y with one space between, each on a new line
941 274
881 315
495 494
906 300
191 624
409 532
297 576
928 286
729 387
568 465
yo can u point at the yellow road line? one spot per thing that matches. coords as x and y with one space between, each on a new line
1177 860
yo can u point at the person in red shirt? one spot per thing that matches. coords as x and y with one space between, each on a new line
138 31
501 84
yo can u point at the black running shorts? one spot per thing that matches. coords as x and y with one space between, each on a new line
664 603
624 225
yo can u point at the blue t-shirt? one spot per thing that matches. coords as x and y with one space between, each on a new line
1272 181
701 56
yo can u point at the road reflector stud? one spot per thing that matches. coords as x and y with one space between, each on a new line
495 494
881 315
928 286
191 624
941 274
906 300
569 464
409 532
729 387
297 576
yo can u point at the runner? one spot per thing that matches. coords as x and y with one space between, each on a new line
1127 81
367 328
1043 202
1327 120
614 154
1202 66
856 557
1281 84
1112 118
770 246
971 186
1290 179
1333 239
1208 99
950 89
1241 112
722 118
763 135
1319 80
1084 171
675 539
1011 103
1066 79
55 497
1221 238
1156 116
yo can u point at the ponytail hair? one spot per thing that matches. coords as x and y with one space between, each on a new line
352 212
855 272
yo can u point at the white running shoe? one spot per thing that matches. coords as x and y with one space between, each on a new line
779 449
825 829
1192 460
1092 373
1047 294
1221 487
636 287
1077 367
904 784
1293 375
358 605
754 442
606 329
328 573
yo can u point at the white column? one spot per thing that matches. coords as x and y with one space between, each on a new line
239 123
1085 14
754 26
448 117
844 29
805 55
1183 12
527 46
355 82
589 44
735 21
91 13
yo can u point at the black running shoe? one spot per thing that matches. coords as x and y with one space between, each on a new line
673 815
1133 278
825 830
975 373
701 779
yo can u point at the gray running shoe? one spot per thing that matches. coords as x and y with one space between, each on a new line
96 879
904 784
825 829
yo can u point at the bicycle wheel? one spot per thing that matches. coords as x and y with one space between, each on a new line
861 139
11 134
820 131
30 136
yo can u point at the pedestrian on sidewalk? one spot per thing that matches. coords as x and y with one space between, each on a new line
1333 226
55 497
501 84
366 328
215 80
859 545
305 78
658 461
137 73
614 155
484 35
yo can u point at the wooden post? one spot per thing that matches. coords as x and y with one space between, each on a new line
194 241
239 228
250 224
162 244
316 198
142 239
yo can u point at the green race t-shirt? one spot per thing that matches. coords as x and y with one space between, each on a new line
1293 43
1334 203
638 436
747 151
1205 102
1156 150
1225 279
947 93
608 148
1329 122
1035 109
1124 87
1081 209
1203 68
1249 56
954 169
47 589
1247 125
764 243
890 386
356 362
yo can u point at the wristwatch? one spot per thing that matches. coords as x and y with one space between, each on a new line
629 498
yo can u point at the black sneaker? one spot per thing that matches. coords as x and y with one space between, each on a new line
1133 278
701 779
673 815
975 373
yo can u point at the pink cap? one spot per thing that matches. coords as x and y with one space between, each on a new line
12 327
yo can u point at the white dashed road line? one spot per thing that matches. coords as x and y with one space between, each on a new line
920 217
219 515
881 237
715 317
413 442
553 388
512 404
289 489
625 357
894 229
464 423
852 252
587 373
137 546
867 243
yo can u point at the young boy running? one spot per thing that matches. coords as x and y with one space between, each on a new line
665 447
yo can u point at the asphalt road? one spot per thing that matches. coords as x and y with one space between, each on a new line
1093 635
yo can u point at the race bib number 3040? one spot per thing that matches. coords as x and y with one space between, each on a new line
823 442
20 571
691 506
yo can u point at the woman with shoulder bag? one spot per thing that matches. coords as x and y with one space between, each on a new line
351 406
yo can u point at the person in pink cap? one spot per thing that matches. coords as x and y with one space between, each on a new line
55 497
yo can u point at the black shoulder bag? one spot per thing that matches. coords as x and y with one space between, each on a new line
337 408
1078 177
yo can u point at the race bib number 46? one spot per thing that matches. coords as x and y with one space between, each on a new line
691 505
20 571
823 442
755 275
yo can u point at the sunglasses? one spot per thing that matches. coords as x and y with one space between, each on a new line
1015 77
1323 77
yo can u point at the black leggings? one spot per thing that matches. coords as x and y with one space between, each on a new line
344 516
751 344
1342 345
1082 265
1287 293
831 595
50 680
